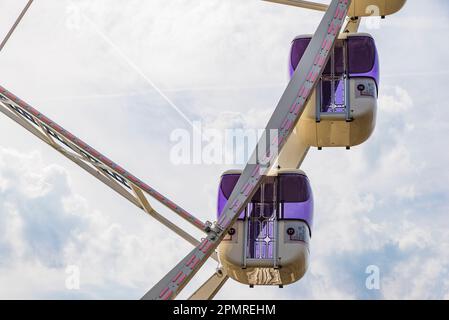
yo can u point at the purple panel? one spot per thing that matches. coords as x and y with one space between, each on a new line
265 254
374 73
299 211
338 61
256 250
296 198
263 250
294 188
363 58
299 46
271 229
268 196
263 231
227 184
340 93
361 54
270 250
326 97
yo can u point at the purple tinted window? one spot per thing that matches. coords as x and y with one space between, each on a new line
298 211
268 192
329 106
338 56
228 183
361 54
293 188
296 198
261 233
299 46
293 192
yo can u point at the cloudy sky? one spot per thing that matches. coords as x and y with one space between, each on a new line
92 66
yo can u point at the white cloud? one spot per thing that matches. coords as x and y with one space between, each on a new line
45 227
396 103
407 192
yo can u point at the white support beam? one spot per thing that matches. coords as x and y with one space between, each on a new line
16 23
352 24
71 143
125 187
210 288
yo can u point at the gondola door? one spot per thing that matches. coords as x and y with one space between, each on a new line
261 224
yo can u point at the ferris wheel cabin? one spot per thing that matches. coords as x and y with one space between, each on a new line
342 110
269 243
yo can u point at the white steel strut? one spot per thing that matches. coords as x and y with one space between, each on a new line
111 174
16 23
283 121
210 288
